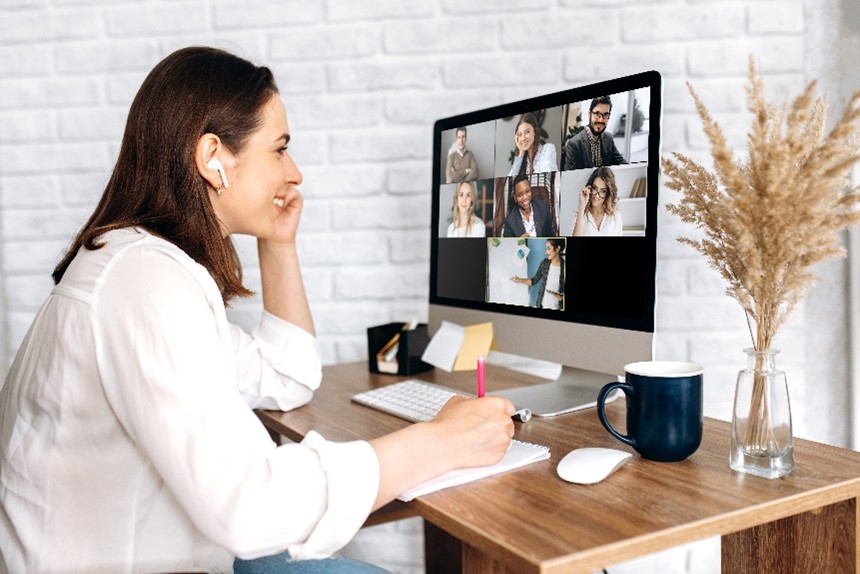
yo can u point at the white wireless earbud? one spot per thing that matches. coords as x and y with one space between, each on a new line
214 163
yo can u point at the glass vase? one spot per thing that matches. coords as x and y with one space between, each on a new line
762 441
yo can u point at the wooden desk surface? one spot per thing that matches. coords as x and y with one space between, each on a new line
532 521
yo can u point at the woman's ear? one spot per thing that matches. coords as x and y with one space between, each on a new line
209 147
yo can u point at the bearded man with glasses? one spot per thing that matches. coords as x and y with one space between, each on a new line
593 146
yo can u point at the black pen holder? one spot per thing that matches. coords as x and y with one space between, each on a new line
409 350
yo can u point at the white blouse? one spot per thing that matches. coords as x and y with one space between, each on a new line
127 440
553 279
545 160
476 228
610 226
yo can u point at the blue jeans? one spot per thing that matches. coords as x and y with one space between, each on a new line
283 564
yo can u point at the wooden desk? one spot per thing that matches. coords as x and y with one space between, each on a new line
529 520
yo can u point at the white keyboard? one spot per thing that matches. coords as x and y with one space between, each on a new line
415 401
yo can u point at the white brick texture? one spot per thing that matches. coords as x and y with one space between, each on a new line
363 81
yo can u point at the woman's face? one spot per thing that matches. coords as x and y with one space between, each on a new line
523 194
525 136
259 177
464 199
551 250
599 191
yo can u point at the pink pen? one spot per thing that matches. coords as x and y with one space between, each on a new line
482 372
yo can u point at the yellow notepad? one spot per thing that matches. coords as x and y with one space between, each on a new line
520 454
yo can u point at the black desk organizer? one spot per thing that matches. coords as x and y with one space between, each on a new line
411 347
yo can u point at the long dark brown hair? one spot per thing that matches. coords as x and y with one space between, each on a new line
531 119
155 184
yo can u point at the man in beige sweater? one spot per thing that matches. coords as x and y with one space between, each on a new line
461 163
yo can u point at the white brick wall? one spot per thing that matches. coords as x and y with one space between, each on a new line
362 81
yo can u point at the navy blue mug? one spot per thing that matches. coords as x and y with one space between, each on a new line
664 409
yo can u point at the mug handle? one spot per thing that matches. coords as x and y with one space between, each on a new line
601 412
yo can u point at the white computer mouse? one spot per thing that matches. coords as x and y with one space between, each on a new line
591 465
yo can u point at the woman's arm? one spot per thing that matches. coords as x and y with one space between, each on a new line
579 225
515 167
170 379
545 159
466 432
283 289
541 273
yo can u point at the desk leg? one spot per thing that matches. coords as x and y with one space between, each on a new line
445 554
823 540
442 552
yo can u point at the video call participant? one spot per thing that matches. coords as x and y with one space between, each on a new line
598 213
550 275
528 218
531 155
461 165
593 146
464 221
127 437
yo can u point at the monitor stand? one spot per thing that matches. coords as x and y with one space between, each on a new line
574 390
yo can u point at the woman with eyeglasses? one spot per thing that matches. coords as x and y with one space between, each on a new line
598 213
531 155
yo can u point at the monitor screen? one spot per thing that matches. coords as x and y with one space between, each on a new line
544 221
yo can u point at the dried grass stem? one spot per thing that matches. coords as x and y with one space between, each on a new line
768 219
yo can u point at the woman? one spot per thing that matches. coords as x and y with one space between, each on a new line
528 217
127 440
464 221
531 156
550 275
598 212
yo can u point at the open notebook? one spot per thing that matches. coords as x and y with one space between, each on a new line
520 454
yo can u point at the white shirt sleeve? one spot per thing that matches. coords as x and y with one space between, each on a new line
279 366
515 167
545 159
170 377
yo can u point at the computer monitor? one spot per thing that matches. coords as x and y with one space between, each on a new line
592 309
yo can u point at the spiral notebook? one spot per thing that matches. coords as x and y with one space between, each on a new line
519 454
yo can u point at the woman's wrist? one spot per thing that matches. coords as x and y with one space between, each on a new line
276 249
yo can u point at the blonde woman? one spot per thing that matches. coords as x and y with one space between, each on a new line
598 213
464 221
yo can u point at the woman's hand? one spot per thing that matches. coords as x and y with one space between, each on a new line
584 196
481 428
287 223
521 151
465 432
